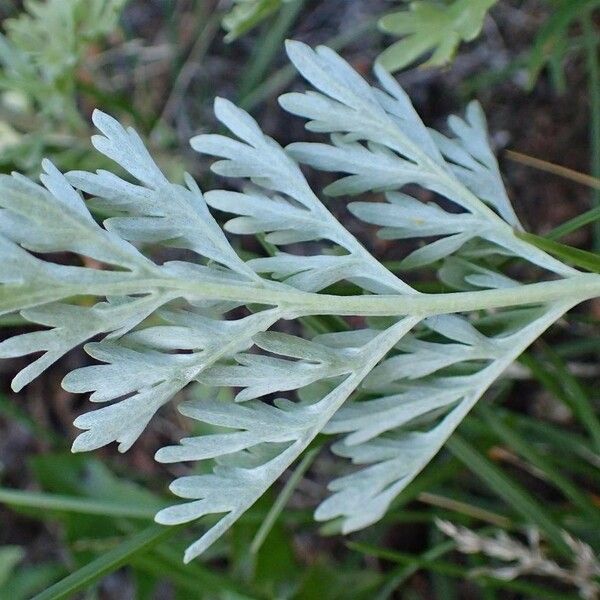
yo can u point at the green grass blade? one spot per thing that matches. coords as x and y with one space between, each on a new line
511 492
528 452
593 69
399 576
577 347
44 501
189 578
280 79
565 442
574 395
268 46
283 499
107 563
586 218
12 411
464 508
573 256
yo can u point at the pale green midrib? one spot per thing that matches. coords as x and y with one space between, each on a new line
296 303
354 246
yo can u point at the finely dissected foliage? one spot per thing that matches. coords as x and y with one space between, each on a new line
47 56
391 393
432 27
45 45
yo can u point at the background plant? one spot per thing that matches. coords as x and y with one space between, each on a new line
40 56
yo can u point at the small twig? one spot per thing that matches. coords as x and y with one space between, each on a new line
543 165
465 509
528 559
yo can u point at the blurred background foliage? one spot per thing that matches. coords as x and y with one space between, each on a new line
523 469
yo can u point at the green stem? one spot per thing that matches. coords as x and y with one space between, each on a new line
268 48
283 498
295 303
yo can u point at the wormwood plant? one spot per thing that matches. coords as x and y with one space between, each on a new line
44 47
389 393
46 56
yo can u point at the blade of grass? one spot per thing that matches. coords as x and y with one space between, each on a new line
182 582
586 218
465 509
567 441
511 492
268 47
574 395
283 499
573 256
552 34
578 347
44 501
578 404
107 563
11 411
281 78
188 65
528 452
453 570
170 554
400 575
190 578
543 375
441 586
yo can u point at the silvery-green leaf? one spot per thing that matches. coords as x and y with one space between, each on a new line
157 210
137 365
395 436
473 161
37 219
263 439
123 421
391 393
380 143
261 375
294 214
127 370
405 217
437 250
70 326
309 273
263 214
